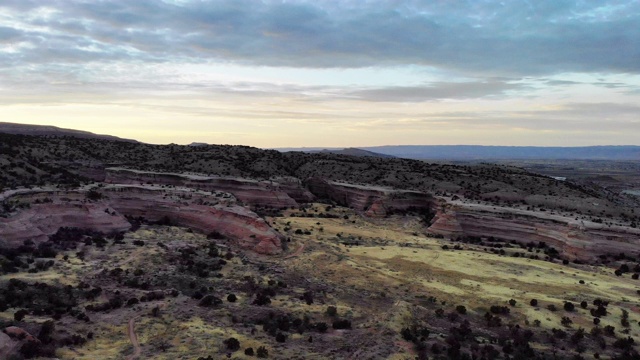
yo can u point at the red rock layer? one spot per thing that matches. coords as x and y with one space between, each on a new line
373 200
40 221
201 212
576 241
277 194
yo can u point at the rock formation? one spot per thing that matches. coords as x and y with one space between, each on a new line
184 207
279 193
575 240
8 346
42 220
373 200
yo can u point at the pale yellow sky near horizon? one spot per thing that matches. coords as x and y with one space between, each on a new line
338 73
272 122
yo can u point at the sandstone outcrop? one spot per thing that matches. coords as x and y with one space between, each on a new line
19 333
279 193
574 239
203 212
42 220
8 346
372 200
235 222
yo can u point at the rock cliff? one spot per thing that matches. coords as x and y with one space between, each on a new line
372 200
575 239
202 211
279 193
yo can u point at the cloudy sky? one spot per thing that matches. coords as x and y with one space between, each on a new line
326 72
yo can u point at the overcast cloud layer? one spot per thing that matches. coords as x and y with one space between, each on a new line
334 73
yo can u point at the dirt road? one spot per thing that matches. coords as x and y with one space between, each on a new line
296 253
134 340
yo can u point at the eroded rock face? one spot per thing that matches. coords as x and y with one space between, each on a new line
575 240
373 200
42 220
15 332
235 222
282 193
8 346
199 211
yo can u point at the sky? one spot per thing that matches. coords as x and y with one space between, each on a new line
333 73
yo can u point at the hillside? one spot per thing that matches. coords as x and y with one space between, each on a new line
112 250
353 152
45 130
476 152
29 160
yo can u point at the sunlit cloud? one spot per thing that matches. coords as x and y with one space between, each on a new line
349 73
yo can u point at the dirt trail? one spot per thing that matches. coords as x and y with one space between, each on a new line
296 253
134 340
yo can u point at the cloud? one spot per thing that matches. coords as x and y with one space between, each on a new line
437 91
514 38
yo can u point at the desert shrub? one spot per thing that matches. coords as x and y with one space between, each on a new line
497 309
453 316
512 302
321 327
461 309
568 306
215 235
332 311
342 324
94 195
566 321
209 301
584 304
46 330
559 334
262 352
132 301
533 302
307 297
232 344
248 351
623 343
280 337
406 334
618 272
261 299
492 321
577 336
609 330
138 272
20 314
624 320
600 311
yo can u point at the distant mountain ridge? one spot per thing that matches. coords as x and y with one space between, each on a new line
353 152
48 130
482 152
420 152
479 152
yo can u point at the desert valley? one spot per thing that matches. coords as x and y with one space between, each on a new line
115 249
